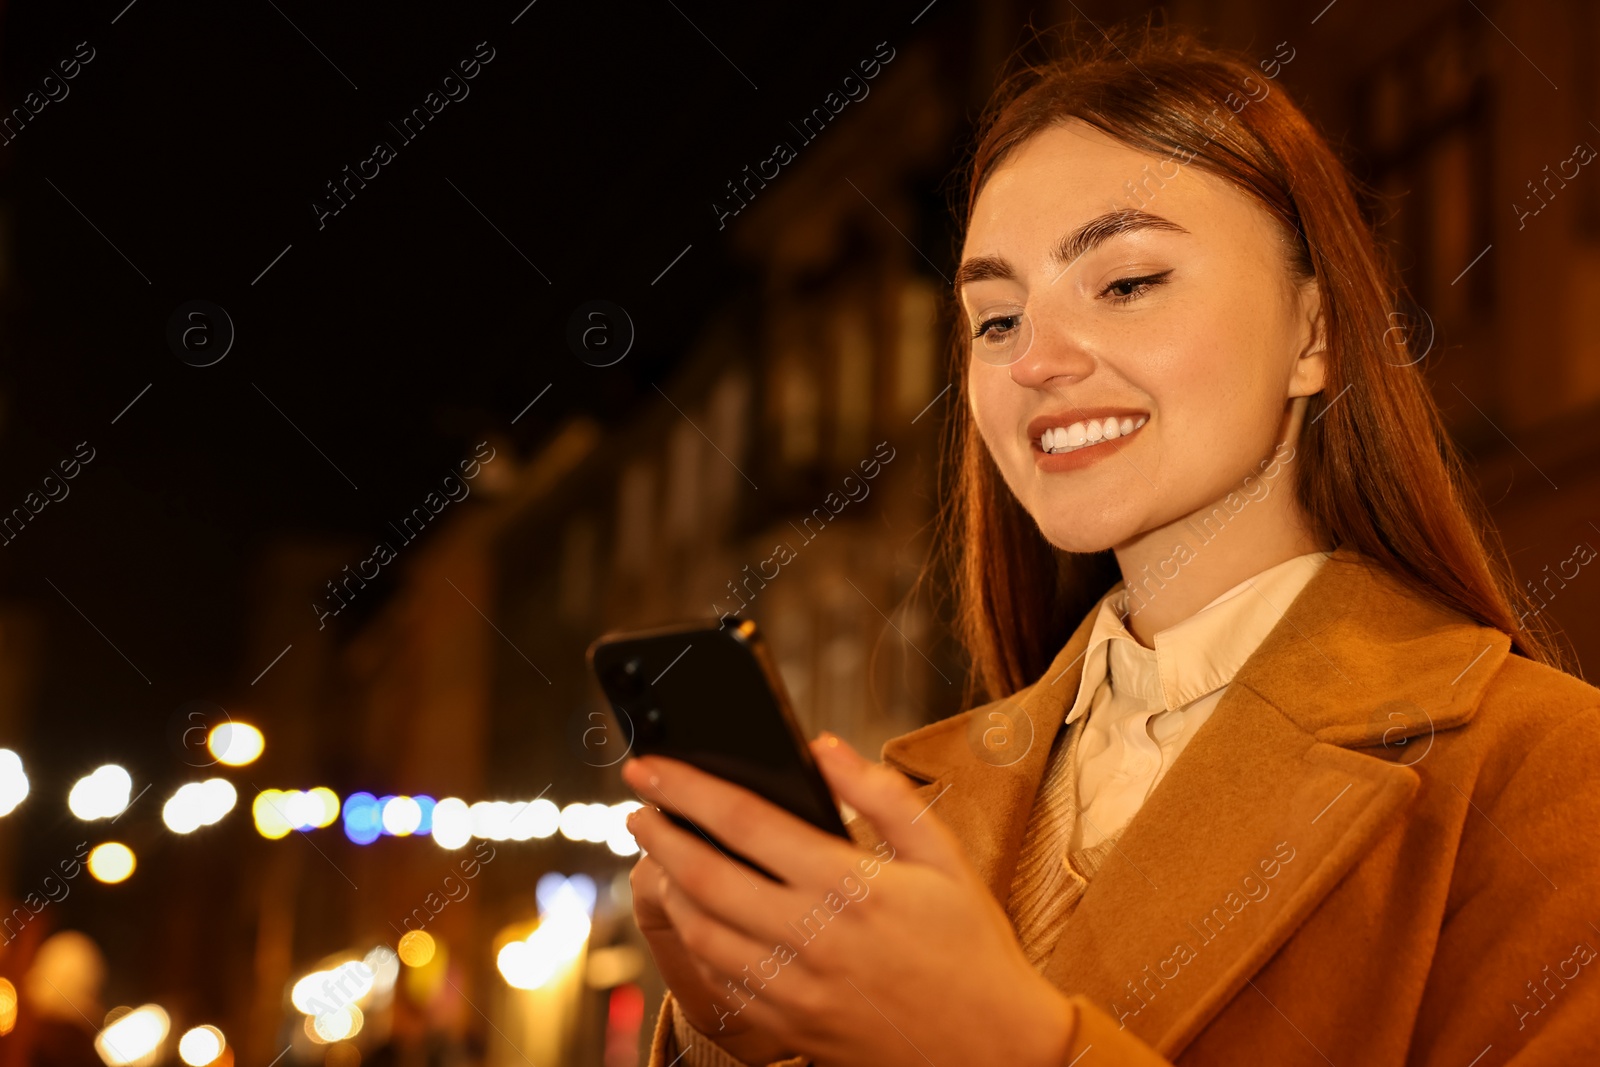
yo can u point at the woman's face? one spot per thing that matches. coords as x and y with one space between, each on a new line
1185 327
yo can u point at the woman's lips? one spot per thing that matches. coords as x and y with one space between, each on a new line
1079 458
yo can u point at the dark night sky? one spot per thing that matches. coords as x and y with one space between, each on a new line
196 141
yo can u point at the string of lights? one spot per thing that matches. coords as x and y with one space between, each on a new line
333 996
106 792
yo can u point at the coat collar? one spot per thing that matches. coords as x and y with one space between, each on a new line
1358 661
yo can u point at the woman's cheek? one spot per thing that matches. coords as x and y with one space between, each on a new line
988 403
978 405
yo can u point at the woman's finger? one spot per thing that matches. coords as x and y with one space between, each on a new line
738 819
644 881
718 884
886 799
736 966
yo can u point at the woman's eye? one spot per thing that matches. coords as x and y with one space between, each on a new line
1001 340
1125 290
996 327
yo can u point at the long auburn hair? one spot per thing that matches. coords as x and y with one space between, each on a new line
1375 468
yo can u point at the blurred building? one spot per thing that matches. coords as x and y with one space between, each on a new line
461 672
806 416
470 679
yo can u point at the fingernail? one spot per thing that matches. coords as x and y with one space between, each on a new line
833 747
827 744
634 771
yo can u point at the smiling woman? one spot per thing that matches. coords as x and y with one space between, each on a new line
1332 690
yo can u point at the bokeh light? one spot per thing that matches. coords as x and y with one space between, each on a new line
586 822
199 804
278 811
8 1007
267 810
101 795
363 819
452 823
385 966
558 940
401 816
416 948
13 782
498 820
335 1025
329 800
134 1038
618 839
321 992
111 862
201 1046
236 743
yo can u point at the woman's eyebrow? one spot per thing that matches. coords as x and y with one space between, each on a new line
1071 248
1090 235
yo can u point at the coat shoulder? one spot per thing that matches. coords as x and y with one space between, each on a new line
1533 741
1532 687
1527 713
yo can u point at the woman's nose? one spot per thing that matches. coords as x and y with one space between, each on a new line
1055 351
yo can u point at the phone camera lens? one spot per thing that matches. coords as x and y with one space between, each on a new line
628 679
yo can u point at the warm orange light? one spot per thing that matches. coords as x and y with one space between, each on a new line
134 1038
416 948
8 1006
236 743
201 1046
334 1025
111 862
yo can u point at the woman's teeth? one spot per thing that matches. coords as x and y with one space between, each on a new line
1059 439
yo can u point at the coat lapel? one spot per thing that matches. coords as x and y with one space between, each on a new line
983 767
1268 807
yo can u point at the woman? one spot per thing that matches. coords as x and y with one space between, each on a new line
1378 845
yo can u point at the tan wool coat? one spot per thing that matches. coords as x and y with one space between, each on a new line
1382 848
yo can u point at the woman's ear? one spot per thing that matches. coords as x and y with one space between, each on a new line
1310 371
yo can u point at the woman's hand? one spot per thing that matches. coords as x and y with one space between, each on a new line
688 978
856 957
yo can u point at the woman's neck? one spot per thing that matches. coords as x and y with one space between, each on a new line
1174 571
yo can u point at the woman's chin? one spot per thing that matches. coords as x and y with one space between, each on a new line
1080 539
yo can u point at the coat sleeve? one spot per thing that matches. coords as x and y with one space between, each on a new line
676 1041
1096 1042
1516 967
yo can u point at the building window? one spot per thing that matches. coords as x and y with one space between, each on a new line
916 358
636 520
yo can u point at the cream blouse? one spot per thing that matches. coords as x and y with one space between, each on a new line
1144 704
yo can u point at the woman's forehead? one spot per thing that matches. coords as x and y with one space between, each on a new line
1068 174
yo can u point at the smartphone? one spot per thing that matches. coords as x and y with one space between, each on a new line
709 694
